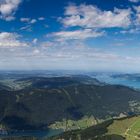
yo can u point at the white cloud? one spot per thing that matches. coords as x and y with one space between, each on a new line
71 55
90 16
27 28
33 21
8 8
25 19
48 44
35 52
77 34
35 40
41 18
135 1
137 15
11 40
131 31
9 18
28 20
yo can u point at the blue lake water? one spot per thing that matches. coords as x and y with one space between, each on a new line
130 82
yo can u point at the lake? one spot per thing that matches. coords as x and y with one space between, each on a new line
120 80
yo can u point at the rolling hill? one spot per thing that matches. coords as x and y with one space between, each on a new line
119 129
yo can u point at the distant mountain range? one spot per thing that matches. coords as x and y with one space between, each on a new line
42 101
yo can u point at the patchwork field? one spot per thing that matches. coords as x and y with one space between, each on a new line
68 125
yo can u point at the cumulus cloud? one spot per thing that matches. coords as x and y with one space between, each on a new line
8 8
137 15
11 40
90 16
77 34
63 55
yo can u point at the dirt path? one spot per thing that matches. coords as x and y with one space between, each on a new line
126 132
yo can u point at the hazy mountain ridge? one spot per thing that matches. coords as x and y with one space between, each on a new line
46 82
70 97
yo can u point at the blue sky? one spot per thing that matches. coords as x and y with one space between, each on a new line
98 35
